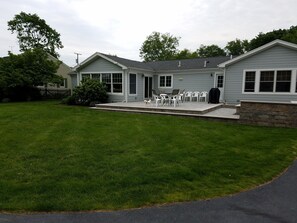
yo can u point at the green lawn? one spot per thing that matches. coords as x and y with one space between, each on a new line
57 158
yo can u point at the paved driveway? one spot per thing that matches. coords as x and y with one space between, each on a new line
272 203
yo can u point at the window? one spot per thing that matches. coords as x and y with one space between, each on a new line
220 81
266 81
64 83
96 76
283 81
277 81
249 84
165 81
132 84
106 78
117 83
85 76
113 81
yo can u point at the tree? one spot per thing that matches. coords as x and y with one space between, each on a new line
210 51
33 32
237 47
159 46
289 35
186 54
20 73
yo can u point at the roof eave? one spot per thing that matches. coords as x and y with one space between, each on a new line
102 56
257 50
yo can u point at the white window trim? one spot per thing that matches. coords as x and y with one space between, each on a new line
166 75
106 72
257 81
135 86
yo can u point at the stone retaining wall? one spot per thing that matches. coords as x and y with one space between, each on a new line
268 113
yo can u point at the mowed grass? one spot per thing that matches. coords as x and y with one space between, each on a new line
59 158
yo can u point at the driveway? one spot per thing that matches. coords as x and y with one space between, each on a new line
275 202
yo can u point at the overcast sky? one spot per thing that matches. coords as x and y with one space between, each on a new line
119 27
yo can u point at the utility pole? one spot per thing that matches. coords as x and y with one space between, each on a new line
77 57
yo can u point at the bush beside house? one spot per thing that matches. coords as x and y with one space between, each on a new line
88 93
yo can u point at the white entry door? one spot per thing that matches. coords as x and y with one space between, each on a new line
219 83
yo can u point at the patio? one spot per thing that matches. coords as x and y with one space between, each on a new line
195 109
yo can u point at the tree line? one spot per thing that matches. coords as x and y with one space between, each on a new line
158 46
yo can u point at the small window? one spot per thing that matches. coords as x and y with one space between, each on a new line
266 81
283 81
64 83
162 81
165 81
96 76
249 84
85 76
132 83
220 81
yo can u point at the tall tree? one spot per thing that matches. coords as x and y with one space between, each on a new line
237 47
186 54
159 46
210 51
33 32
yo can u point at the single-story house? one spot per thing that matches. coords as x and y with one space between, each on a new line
63 71
267 73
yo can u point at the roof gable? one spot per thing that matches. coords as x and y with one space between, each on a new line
94 57
258 50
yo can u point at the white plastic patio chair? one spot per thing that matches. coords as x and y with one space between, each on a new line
165 100
181 96
195 95
174 100
188 94
203 95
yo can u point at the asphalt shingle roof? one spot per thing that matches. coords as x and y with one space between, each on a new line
185 64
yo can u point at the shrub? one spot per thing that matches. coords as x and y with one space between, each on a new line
90 91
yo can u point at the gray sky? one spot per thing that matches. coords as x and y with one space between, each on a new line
119 27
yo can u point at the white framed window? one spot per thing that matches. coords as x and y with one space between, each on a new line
270 81
220 81
266 81
283 81
117 83
85 76
132 84
106 79
64 83
113 81
250 80
165 81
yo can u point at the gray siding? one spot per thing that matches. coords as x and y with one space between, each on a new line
101 65
273 58
191 81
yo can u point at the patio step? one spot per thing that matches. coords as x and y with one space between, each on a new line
158 110
164 111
